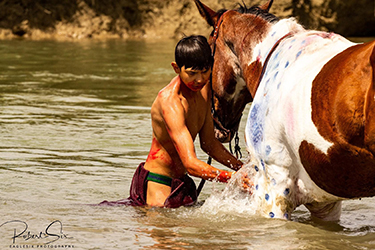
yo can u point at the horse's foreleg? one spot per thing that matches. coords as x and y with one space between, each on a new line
325 211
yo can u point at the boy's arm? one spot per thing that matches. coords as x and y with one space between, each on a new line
174 120
214 147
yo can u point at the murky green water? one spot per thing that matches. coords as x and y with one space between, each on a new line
74 125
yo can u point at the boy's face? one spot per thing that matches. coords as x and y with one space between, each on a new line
194 79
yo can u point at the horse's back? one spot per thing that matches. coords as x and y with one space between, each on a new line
343 111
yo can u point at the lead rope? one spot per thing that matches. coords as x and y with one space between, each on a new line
237 151
237 148
203 181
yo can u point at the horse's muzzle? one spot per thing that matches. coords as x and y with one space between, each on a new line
223 136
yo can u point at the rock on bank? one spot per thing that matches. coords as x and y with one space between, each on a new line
102 19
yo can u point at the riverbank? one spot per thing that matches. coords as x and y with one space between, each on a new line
155 19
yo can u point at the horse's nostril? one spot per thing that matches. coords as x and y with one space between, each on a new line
222 136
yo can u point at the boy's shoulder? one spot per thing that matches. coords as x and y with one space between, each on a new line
171 90
168 94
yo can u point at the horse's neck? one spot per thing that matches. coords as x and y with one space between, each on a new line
277 32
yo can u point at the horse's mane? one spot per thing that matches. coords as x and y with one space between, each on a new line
256 10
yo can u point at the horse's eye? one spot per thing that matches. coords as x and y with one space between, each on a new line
231 47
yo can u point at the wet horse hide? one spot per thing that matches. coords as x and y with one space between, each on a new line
310 133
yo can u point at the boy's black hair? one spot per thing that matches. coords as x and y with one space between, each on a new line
193 52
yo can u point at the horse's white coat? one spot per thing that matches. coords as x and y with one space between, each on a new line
234 63
280 118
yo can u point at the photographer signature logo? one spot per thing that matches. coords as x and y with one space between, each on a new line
19 233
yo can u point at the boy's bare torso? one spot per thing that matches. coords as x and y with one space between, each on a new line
163 157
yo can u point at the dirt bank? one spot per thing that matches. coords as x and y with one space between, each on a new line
101 19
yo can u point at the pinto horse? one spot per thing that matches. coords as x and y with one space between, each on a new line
310 132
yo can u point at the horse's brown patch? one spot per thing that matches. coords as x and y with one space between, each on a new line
343 110
253 71
346 171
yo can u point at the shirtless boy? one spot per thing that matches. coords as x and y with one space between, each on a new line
180 112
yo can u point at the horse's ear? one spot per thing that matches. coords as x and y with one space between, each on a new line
206 13
267 6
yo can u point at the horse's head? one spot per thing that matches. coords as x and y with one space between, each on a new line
236 70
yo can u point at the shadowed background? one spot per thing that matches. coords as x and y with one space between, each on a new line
75 19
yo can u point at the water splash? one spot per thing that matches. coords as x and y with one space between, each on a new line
233 200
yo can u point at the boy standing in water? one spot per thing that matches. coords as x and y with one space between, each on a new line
180 112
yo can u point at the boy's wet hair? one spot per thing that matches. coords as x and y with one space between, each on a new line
193 52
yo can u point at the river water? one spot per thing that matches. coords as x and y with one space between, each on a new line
74 125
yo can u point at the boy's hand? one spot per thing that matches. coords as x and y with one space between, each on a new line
244 181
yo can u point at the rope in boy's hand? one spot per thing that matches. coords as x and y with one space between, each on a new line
201 184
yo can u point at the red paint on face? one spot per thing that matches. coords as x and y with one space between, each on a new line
194 79
195 86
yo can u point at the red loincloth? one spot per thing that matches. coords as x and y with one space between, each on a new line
184 191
